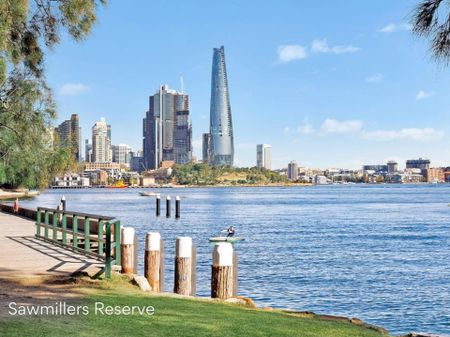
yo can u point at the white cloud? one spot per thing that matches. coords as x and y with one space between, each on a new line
305 129
425 134
321 46
422 94
72 89
290 53
376 78
392 27
286 130
335 126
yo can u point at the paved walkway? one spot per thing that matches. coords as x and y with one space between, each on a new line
22 255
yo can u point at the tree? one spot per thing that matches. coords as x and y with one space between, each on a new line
428 22
27 111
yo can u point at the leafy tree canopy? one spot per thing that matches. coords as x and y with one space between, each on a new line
28 156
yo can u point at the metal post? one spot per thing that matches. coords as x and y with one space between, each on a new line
64 229
101 223
87 235
46 222
75 231
38 222
108 251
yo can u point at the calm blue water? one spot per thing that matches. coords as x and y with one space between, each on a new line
379 253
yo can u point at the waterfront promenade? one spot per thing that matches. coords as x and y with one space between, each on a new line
24 256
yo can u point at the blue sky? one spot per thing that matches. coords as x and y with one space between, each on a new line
326 83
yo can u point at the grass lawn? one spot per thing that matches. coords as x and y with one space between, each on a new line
175 317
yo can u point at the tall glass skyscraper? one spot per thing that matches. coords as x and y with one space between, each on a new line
221 149
167 129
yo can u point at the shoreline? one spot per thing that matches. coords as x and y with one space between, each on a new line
12 194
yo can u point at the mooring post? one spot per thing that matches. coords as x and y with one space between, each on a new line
158 205
222 271
63 202
168 206
183 266
127 250
152 260
177 207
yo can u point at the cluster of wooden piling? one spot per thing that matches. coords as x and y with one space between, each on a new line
169 206
223 268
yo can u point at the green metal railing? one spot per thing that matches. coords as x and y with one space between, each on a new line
99 236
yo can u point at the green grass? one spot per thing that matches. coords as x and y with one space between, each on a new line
177 317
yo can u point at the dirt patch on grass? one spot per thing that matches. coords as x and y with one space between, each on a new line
42 291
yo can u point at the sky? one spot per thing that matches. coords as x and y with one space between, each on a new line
325 83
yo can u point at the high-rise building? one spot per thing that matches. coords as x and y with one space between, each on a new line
392 166
206 148
292 171
87 151
101 143
377 168
220 124
263 156
423 164
121 154
167 129
70 131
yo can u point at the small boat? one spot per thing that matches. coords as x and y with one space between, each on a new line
119 184
148 194
230 239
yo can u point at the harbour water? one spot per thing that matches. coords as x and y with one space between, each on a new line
377 252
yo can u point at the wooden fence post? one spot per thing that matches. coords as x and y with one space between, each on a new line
222 271
183 266
152 260
127 250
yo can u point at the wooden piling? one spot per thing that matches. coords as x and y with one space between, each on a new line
168 206
183 266
63 202
158 205
127 250
177 207
222 271
152 260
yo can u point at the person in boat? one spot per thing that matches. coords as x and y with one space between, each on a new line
16 206
230 231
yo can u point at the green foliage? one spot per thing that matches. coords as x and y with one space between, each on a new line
176 317
203 174
27 156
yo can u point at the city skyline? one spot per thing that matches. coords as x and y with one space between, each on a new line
365 93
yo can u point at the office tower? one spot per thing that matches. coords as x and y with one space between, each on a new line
420 163
167 129
206 148
70 131
292 172
121 154
221 126
263 156
87 151
101 144
392 166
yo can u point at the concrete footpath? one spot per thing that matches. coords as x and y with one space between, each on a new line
22 255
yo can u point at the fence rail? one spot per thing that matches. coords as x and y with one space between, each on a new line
93 235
